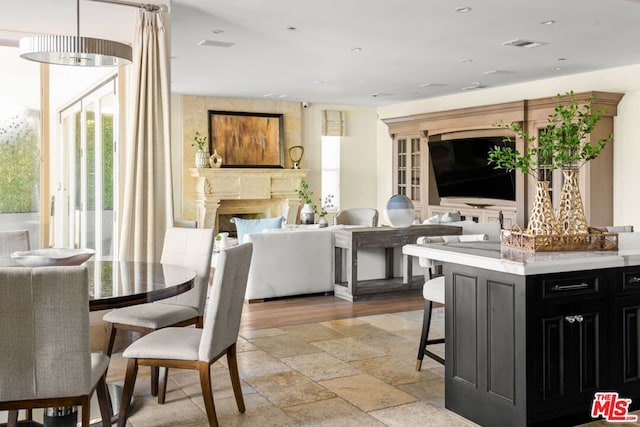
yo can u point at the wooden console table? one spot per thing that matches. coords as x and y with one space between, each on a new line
353 239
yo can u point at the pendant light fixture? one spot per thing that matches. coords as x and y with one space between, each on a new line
75 50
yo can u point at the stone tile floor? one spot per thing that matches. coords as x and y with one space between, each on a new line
352 372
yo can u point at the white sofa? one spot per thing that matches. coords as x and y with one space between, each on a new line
290 262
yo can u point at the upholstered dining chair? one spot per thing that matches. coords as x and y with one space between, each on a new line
12 241
433 291
357 216
48 361
187 247
197 349
185 223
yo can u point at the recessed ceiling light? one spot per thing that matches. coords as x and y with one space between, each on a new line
291 28
464 9
217 31
464 61
266 95
562 59
557 68
282 96
356 49
549 22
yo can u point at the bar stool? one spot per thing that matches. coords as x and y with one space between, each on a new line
433 291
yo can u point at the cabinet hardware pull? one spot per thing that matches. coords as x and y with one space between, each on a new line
570 287
634 279
579 318
570 319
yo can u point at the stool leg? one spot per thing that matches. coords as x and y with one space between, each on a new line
424 336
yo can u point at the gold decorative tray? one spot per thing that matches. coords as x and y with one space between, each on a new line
595 240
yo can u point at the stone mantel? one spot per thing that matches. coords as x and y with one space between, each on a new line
246 190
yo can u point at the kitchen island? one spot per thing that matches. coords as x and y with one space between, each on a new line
531 337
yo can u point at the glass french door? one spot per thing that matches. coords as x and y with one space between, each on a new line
89 171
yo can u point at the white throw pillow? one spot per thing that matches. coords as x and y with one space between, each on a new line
433 220
450 217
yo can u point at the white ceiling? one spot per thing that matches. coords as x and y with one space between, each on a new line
405 43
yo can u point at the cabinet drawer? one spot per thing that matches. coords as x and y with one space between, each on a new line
571 285
630 280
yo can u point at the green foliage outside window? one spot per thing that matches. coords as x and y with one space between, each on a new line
19 164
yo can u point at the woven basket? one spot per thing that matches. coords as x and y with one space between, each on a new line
595 240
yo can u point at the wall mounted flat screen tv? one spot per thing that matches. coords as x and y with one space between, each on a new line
461 169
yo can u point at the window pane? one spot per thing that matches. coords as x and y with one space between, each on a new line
20 144
331 172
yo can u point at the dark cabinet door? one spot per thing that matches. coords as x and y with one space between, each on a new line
570 344
626 364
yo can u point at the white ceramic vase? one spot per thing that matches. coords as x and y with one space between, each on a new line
201 159
307 214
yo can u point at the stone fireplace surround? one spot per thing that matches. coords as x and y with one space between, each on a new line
246 192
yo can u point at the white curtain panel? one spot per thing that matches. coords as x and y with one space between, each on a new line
148 198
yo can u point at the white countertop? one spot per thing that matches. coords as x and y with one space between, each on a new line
492 256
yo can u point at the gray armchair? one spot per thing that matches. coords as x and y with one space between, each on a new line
46 358
357 216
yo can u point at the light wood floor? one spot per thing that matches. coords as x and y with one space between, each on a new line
311 309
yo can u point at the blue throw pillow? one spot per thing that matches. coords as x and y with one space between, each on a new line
248 226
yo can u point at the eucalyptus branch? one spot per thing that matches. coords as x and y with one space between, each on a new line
562 144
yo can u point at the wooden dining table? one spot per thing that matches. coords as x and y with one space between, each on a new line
116 284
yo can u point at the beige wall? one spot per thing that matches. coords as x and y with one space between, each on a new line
302 127
626 192
190 114
358 165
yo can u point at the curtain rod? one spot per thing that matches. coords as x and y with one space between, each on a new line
147 6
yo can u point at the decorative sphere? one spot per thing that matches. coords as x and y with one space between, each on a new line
400 211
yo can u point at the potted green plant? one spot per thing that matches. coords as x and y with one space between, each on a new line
563 144
328 203
200 141
307 214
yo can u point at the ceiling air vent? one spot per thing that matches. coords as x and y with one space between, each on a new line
215 43
527 44
474 85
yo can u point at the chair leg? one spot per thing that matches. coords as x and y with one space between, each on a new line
86 411
104 401
207 393
12 420
200 322
109 339
162 385
127 392
232 361
155 372
424 336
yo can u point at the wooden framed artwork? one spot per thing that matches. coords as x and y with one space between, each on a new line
247 140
